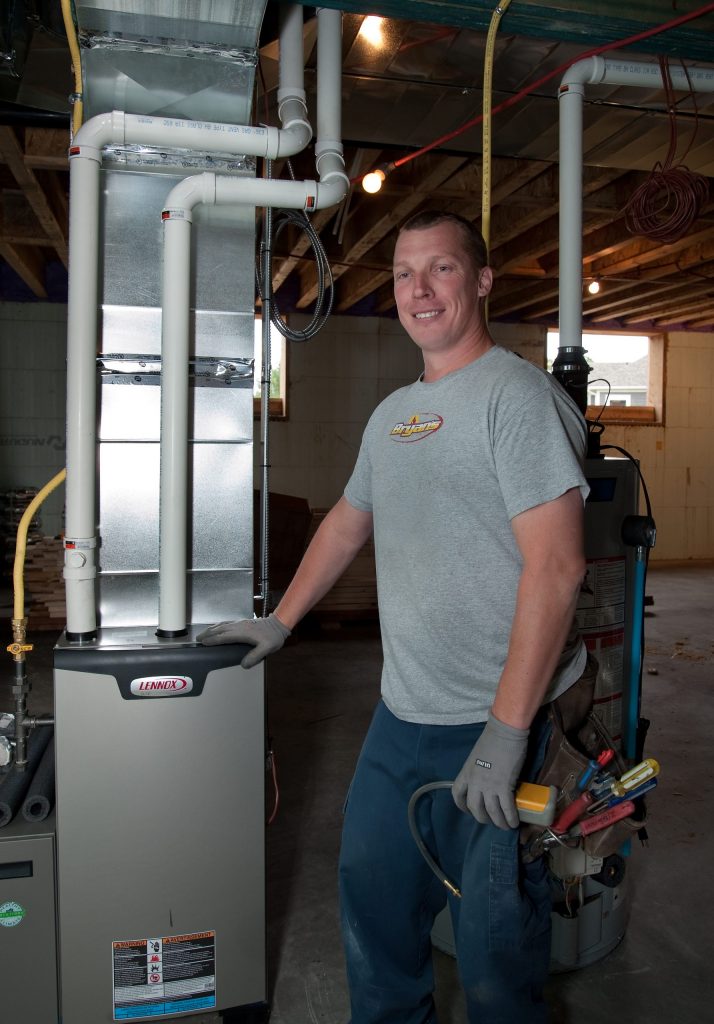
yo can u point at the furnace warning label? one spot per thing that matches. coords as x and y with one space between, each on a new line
172 974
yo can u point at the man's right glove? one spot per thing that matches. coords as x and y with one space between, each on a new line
265 635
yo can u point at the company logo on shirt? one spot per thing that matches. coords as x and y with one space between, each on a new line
422 424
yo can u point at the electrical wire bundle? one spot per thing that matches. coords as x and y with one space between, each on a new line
325 290
274 223
665 206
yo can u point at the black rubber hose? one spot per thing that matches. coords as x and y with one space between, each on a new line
15 785
41 794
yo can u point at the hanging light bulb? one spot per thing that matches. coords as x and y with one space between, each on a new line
372 182
594 286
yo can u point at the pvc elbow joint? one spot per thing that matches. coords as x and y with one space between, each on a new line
101 130
331 165
199 188
589 71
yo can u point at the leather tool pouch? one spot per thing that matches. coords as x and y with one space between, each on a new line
577 737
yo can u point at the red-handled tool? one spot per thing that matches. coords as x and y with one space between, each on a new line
570 814
596 822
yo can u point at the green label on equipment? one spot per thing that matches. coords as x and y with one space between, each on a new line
11 914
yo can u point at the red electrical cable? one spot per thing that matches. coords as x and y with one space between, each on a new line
674 23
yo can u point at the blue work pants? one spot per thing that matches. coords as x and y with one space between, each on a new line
389 897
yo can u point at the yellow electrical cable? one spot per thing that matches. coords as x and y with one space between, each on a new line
18 581
486 130
78 106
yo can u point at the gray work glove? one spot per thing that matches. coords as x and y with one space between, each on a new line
486 784
265 635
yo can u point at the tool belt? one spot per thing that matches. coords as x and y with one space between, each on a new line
577 736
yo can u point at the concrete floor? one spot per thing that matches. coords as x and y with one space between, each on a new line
322 689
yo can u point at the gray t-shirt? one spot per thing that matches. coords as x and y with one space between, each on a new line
444 467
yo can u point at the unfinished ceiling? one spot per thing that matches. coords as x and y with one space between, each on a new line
417 82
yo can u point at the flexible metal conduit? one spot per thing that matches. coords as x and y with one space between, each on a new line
218 190
85 163
594 71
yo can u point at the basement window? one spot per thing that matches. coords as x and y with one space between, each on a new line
278 372
626 382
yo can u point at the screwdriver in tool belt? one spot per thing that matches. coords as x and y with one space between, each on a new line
633 794
595 822
633 778
594 768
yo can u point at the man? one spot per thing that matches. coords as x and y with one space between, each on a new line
471 480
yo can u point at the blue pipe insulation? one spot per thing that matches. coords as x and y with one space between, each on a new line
632 709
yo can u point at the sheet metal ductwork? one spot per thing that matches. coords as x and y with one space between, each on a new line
195 61
191 59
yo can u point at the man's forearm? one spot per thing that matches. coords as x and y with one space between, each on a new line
341 535
543 617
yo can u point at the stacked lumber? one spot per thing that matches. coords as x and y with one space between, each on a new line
12 507
44 586
354 596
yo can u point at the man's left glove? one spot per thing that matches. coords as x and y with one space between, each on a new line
486 784
265 635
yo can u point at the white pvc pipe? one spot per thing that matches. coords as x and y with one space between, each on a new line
292 108
80 541
642 74
123 129
571 215
328 146
215 189
329 74
594 70
174 426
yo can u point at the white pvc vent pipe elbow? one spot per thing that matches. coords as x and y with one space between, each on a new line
177 215
594 71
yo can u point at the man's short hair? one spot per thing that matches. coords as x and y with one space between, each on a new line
474 245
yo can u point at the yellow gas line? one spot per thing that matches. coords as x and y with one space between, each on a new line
78 104
19 622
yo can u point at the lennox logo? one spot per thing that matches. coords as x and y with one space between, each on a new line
161 686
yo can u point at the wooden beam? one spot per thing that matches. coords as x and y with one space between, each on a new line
28 265
510 296
12 154
18 224
640 252
540 241
358 286
701 322
656 297
47 148
675 314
